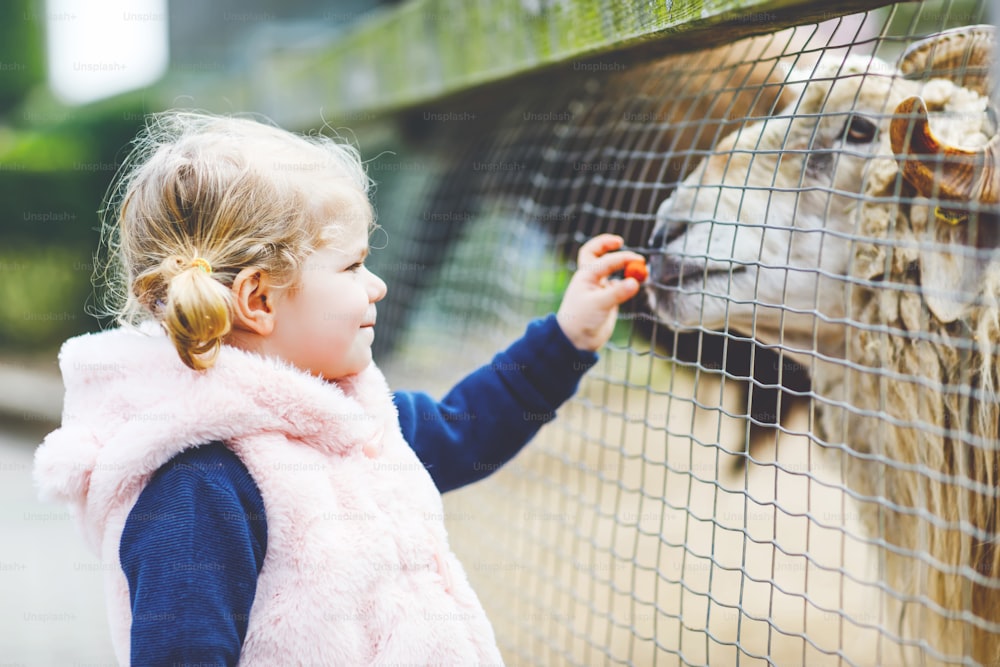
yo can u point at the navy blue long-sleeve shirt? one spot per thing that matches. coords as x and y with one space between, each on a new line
194 543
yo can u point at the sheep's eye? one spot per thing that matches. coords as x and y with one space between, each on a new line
859 130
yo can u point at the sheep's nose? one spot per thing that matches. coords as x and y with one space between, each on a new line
667 229
659 238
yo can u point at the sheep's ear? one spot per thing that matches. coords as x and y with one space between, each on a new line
949 272
959 182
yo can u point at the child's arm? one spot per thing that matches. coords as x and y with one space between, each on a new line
490 415
191 550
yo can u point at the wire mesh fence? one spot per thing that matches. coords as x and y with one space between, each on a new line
788 452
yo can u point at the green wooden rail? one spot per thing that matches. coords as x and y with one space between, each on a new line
425 50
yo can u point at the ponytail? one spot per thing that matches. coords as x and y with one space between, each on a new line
195 309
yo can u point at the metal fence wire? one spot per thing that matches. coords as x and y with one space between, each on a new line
788 454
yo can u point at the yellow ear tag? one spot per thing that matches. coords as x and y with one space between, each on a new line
949 217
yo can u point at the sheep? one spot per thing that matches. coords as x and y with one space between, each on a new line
816 232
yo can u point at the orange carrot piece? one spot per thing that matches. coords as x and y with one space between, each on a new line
636 268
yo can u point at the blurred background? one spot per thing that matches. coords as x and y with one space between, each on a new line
76 79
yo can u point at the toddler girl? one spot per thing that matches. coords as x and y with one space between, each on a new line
259 494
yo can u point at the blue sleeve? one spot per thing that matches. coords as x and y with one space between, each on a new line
192 549
490 415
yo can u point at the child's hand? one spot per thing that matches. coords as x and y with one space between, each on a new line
590 305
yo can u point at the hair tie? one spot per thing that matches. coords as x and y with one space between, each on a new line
202 264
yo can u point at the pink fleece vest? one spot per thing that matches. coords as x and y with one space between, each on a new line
358 569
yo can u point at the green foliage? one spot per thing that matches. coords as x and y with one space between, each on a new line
56 164
43 291
42 150
21 54
49 228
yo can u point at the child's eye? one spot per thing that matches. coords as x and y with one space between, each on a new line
356 266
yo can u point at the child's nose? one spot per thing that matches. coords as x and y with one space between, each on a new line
376 288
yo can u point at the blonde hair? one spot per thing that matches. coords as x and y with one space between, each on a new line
234 192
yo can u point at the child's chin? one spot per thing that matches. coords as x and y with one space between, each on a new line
359 366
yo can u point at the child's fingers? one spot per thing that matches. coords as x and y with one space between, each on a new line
601 267
626 289
616 293
597 246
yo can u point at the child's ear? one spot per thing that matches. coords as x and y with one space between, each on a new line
254 298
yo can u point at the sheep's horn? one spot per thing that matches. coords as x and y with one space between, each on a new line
963 55
946 172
